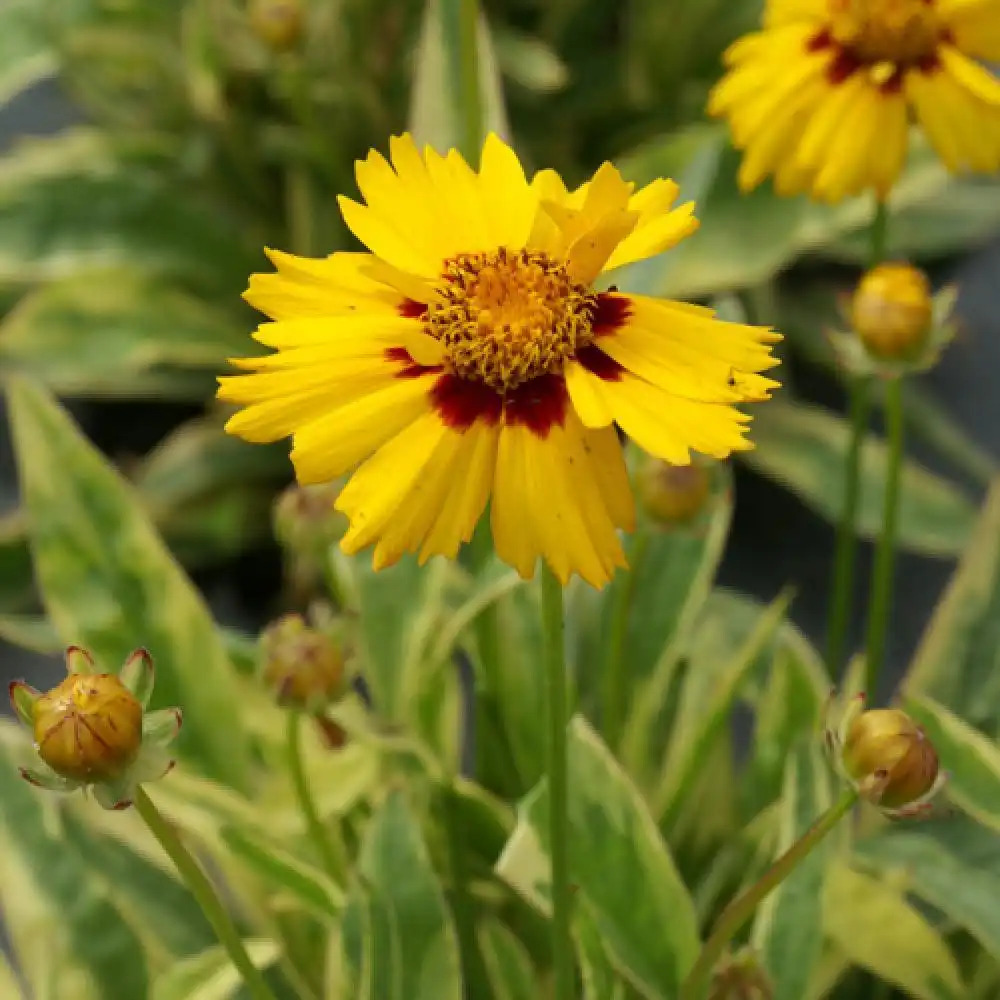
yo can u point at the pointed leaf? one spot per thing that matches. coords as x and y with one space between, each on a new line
876 928
439 90
109 583
511 974
210 975
644 914
25 54
787 929
138 675
803 448
958 660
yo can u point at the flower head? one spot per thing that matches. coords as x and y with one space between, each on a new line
822 97
469 355
887 757
92 730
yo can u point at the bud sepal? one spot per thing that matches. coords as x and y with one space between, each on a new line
92 730
895 325
887 757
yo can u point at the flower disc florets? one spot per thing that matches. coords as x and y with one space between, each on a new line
510 316
896 31
92 729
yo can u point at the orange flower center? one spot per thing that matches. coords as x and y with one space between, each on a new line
896 31
510 316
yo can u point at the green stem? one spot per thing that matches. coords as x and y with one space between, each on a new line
617 672
471 97
878 234
200 887
885 554
299 209
846 542
553 639
739 911
314 824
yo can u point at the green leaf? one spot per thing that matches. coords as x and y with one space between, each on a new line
16 582
398 934
643 914
952 864
153 902
971 760
600 981
25 54
508 966
34 632
282 871
210 975
874 927
436 112
10 986
803 448
958 660
528 61
45 885
110 585
72 201
119 333
787 929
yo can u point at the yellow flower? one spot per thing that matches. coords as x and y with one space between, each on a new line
892 310
822 97
468 356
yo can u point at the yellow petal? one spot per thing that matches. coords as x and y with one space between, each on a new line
508 202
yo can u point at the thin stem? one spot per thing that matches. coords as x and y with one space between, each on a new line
314 824
556 713
299 209
885 554
879 233
617 672
200 887
845 551
471 95
739 911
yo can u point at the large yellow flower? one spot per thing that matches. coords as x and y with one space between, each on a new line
467 356
822 97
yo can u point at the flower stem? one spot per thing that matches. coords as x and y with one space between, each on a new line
200 887
317 831
879 234
885 554
736 914
617 673
470 91
556 712
846 543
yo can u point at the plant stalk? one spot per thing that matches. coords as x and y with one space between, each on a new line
739 911
203 892
318 833
558 781
880 601
471 92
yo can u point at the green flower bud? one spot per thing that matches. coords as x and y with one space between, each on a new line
672 494
301 664
890 759
277 23
88 728
892 311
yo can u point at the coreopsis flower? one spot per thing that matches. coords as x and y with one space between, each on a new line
92 730
823 96
898 326
887 757
469 356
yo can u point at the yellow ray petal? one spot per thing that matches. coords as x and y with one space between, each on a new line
976 79
586 397
508 202
385 240
608 462
653 236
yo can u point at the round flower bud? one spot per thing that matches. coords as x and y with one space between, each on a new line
305 521
277 23
672 494
890 758
892 311
89 728
301 664
740 977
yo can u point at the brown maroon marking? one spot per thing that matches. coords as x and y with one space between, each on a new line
843 66
460 402
894 84
929 64
410 367
411 309
538 404
609 313
821 40
600 364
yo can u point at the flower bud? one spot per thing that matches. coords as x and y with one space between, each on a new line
277 23
88 728
305 522
890 759
672 494
740 977
302 665
892 311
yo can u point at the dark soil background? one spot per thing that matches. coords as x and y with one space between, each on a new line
775 539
